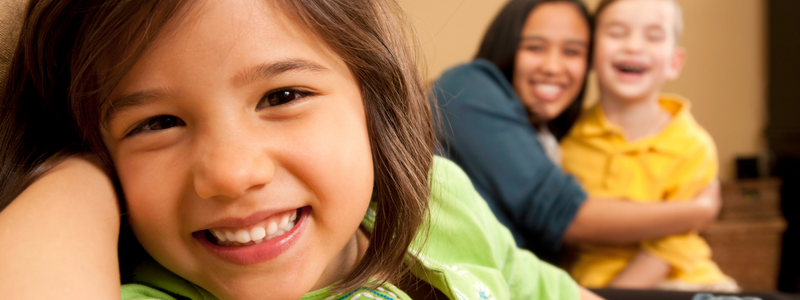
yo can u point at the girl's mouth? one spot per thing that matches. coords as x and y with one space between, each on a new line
257 243
265 230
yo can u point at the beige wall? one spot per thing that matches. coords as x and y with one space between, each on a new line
725 74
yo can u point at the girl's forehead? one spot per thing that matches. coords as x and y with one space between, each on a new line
226 37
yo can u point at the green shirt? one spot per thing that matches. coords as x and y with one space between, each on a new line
468 254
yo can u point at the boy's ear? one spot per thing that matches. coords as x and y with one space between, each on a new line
676 66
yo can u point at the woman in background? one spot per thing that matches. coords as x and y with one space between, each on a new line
502 114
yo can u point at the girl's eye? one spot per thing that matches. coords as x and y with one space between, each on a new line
156 123
280 97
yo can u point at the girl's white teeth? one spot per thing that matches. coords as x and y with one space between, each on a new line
229 236
272 228
242 236
257 233
284 220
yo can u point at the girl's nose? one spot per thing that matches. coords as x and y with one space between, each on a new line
230 165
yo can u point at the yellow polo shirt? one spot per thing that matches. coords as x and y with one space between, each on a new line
673 165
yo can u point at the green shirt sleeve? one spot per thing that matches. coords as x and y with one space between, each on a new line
466 239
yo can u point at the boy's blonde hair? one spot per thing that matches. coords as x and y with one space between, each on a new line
677 21
72 53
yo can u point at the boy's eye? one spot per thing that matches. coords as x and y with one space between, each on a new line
617 31
280 97
655 35
156 123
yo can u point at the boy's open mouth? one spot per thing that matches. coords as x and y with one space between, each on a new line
265 230
631 68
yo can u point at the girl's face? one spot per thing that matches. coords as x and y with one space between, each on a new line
551 61
241 144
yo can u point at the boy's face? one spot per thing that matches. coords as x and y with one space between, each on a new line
635 49
235 121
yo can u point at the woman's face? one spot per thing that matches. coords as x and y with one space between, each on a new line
551 61
241 145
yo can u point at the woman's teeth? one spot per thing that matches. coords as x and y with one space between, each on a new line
548 90
257 234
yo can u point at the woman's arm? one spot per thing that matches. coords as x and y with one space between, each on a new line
59 237
616 222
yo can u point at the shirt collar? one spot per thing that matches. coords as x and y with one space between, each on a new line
595 124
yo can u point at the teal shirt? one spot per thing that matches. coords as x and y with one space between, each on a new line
468 254
484 128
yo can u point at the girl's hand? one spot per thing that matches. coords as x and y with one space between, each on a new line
710 201
59 237
587 295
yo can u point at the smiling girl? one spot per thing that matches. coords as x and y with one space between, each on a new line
260 149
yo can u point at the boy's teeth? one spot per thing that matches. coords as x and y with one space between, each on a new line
242 236
257 233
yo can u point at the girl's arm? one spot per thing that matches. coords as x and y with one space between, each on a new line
615 222
645 271
59 237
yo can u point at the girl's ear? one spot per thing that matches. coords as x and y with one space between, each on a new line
677 63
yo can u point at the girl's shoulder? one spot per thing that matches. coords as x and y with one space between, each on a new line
467 254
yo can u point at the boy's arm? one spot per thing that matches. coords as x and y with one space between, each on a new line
643 272
59 236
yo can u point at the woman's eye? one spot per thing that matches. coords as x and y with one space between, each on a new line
280 97
156 123
534 48
573 52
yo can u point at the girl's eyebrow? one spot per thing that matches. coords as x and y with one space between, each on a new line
123 102
264 71
269 70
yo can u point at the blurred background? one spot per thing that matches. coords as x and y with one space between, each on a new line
743 78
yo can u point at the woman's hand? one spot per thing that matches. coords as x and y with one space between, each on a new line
59 237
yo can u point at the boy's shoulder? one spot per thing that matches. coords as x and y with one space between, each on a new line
684 134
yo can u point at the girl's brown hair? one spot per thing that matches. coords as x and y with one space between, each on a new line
72 53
